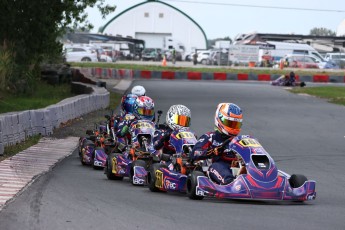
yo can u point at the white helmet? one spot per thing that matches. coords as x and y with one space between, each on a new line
138 90
178 117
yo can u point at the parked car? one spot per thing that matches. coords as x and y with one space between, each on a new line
102 55
218 57
154 54
80 54
337 58
203 56
299 61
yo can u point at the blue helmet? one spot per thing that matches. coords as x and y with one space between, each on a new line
127 103
144 108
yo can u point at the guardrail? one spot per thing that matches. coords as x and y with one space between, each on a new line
15 127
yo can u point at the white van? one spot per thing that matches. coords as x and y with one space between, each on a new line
335 56
283 48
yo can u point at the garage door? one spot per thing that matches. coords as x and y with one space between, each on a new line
153 40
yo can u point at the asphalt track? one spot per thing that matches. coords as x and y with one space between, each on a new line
303 134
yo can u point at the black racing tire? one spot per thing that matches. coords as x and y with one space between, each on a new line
85 143
297 180
135 163
151 176
108 168
192 182
86 59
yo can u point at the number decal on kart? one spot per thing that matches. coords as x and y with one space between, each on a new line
248 142
114 165
159 179
184 135
143 125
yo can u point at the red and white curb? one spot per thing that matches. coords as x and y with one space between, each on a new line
19 171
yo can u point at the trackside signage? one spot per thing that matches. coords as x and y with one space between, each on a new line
243 53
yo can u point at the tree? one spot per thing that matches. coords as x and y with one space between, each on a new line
29 32
322 32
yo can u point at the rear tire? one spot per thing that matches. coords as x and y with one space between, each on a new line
192 182
108 168
151 176
297 180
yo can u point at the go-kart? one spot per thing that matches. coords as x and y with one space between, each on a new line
136 159
93 150
161 178
284 81
261 180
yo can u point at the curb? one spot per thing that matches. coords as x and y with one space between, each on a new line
20 170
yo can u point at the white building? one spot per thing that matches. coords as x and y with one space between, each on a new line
154 21
341 29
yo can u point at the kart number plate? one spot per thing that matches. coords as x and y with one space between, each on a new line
143 125
184 135
159 179
248 142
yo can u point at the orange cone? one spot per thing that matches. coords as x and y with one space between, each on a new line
281 64
164 62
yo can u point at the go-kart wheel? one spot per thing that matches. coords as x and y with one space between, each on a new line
81 157
297 180
108 168
151 176
136 163
192 182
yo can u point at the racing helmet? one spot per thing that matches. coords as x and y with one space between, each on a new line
178 117
138 90
228 119
127 103
144 108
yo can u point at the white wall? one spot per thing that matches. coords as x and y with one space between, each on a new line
158 18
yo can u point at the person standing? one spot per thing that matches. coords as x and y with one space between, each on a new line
173 56
195 58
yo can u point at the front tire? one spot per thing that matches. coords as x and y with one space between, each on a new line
297 180
151 176
109 168
192 182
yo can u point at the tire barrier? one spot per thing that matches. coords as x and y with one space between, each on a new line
109 73
15 127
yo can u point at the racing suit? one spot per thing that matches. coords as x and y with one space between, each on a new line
161 140
220 170
122 131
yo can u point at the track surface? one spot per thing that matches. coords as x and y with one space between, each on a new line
303 134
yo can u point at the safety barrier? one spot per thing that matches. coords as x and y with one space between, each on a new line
108 73
17 126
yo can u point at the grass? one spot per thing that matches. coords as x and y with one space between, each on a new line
14 149
44 96
334 94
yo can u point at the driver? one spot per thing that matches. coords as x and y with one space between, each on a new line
177 118
143 109
228 122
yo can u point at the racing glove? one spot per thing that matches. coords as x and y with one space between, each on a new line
124 130
218 150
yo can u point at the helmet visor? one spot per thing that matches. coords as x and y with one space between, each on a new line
181 120
145 112
233 124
